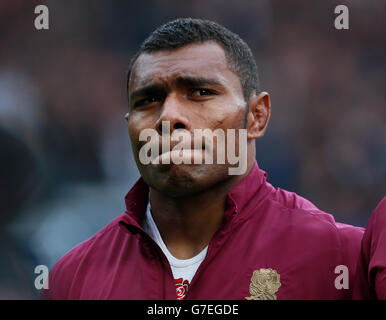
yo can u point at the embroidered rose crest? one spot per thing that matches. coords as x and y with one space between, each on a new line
182 287
264 284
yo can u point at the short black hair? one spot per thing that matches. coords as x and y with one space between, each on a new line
183 31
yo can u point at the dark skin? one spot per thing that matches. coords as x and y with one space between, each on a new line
193 88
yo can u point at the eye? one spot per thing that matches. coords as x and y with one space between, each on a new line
200 92
146 101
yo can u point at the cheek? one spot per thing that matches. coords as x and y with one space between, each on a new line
131 128
134 130
138 121
228 111
232 118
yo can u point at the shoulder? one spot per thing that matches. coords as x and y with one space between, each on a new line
101 238
324 241
308 219
63 272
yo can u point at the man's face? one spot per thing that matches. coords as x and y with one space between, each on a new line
192 88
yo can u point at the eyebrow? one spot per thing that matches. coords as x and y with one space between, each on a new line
152 89
197 81
183 81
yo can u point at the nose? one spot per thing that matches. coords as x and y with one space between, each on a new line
173 111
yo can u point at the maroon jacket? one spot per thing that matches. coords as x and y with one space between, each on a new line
272 244
372 265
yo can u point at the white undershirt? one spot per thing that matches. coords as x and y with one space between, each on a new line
185 268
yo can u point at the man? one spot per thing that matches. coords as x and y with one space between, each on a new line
195 231
372 263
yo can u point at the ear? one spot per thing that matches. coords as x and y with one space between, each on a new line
127 116
258 115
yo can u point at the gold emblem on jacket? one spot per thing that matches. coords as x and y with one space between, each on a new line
264 284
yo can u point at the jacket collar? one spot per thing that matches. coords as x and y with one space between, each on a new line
252 187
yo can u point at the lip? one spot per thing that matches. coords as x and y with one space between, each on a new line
187 156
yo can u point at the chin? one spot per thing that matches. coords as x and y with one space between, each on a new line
184 179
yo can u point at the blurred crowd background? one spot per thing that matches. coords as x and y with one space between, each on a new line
66 161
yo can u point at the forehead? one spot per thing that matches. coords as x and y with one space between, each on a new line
198 60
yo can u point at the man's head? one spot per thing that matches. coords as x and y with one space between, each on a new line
195 74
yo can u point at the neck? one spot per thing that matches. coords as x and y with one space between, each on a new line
187 223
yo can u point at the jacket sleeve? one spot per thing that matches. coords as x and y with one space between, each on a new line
372 261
